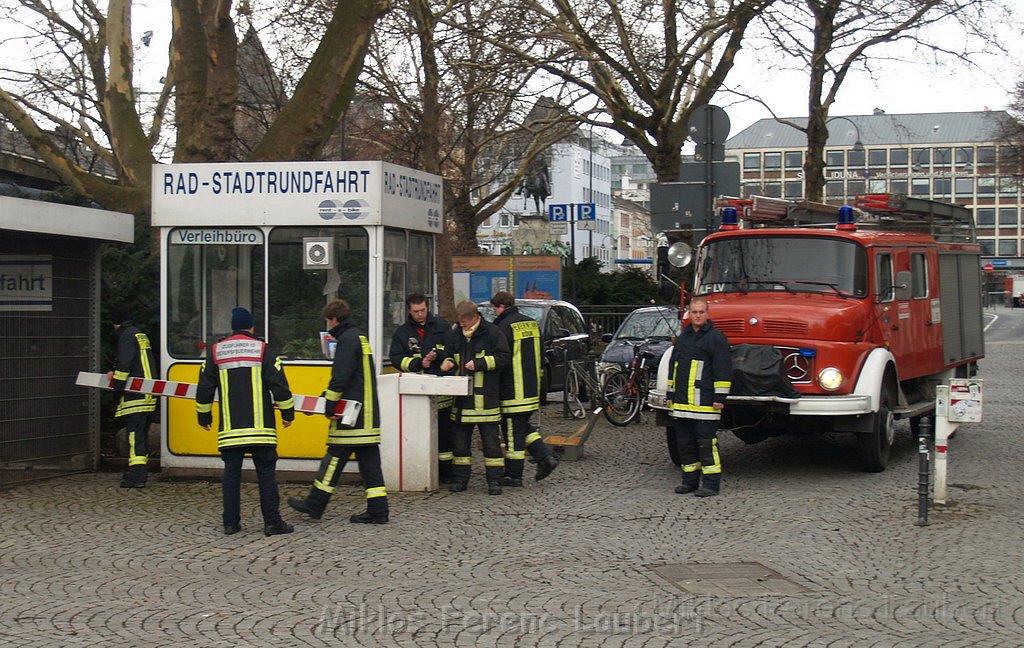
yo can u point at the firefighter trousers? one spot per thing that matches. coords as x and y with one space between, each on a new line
331 467
444 443
264 458
520 439
137 427
494 460
697 442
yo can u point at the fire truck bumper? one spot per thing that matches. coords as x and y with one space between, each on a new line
851 405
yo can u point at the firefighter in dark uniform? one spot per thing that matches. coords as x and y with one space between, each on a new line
520 391
134 359
478 350
700 376
418 347
353 378
250 380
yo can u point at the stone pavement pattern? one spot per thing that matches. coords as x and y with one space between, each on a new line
564 562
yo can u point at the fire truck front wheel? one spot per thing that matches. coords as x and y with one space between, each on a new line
875 447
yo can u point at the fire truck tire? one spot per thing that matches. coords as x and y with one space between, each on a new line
875 447
673 451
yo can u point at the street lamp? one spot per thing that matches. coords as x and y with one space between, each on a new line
858 145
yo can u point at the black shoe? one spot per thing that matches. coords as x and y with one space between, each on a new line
368 518
494 488
232 529
446 479
457 486
302 506
705 492
512 482
280 528
685 488
128 483
545 467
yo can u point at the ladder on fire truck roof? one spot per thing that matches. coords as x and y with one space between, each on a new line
947 223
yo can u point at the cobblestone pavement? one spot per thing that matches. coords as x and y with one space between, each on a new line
569 561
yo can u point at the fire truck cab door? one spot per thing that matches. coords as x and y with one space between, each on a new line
895 319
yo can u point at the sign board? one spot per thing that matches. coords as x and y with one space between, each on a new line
988 267
965 397
999 263
558 213
558 228
26 282
477 278
586 212
586 226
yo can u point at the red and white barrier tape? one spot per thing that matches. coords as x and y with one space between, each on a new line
348 409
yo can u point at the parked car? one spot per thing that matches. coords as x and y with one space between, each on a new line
564 335
657 324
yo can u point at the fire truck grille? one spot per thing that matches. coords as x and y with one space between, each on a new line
784 327
729 326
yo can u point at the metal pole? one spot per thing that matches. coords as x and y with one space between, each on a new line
709 169
923 480
590 198
572 244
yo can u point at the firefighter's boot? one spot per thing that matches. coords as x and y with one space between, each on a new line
313 505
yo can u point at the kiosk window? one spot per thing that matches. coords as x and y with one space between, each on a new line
338 267
408 268
209 272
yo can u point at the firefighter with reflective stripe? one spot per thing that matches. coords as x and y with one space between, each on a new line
520 391
700 376
353 377
249 377
134 360
478 350
418 347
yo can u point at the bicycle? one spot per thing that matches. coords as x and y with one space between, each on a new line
581 382
625 392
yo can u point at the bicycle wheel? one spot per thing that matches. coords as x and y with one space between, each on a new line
621 398
573 394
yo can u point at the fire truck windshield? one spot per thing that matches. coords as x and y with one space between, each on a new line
782 263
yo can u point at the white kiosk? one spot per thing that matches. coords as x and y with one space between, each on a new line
282 239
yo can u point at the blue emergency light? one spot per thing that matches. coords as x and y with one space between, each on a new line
846 219
729 219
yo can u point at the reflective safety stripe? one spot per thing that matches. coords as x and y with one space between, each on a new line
723 386
532 437
256 379
462 461
133 458
136 406
359 436
700 416
225 396
285 404
325 483
520 406
481 416
494 461
515 454
689 468
120 375
406 364
203 408
368 413
445 456
716 467
332 395
443 402
376 491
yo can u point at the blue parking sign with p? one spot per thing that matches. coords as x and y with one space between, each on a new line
558 213
586 211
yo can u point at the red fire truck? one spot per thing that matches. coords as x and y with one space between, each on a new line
869 308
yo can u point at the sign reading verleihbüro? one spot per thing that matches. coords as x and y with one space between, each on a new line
26 282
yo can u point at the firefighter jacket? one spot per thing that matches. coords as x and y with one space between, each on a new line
353 377
251 381
412 341
520 378
134 359
488 349
700 373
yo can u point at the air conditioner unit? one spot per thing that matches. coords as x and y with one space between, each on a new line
317 253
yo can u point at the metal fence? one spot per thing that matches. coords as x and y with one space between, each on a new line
606 318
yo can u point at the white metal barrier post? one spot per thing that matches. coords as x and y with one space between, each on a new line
956 403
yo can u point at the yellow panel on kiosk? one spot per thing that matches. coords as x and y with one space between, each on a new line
305 439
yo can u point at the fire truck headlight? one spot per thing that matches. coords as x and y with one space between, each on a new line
830 378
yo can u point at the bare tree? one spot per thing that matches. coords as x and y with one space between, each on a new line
81 83
462 108
1011 136
830 39
645 64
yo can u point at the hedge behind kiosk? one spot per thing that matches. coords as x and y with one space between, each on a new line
282 239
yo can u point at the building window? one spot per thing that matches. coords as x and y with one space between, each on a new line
898 157
965 156
855 159
920 186
964 187
509 220
1008 216
878 185
922 158
751 189
986 155
899 187
773 189
854 187
794 189
918 276
794 159
942 187
833 158
752 161
985 217
988 247
987 186
941 156
1008 186
772 161
877 157
1008 247
834 189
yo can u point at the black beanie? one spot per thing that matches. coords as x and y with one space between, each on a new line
241 319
